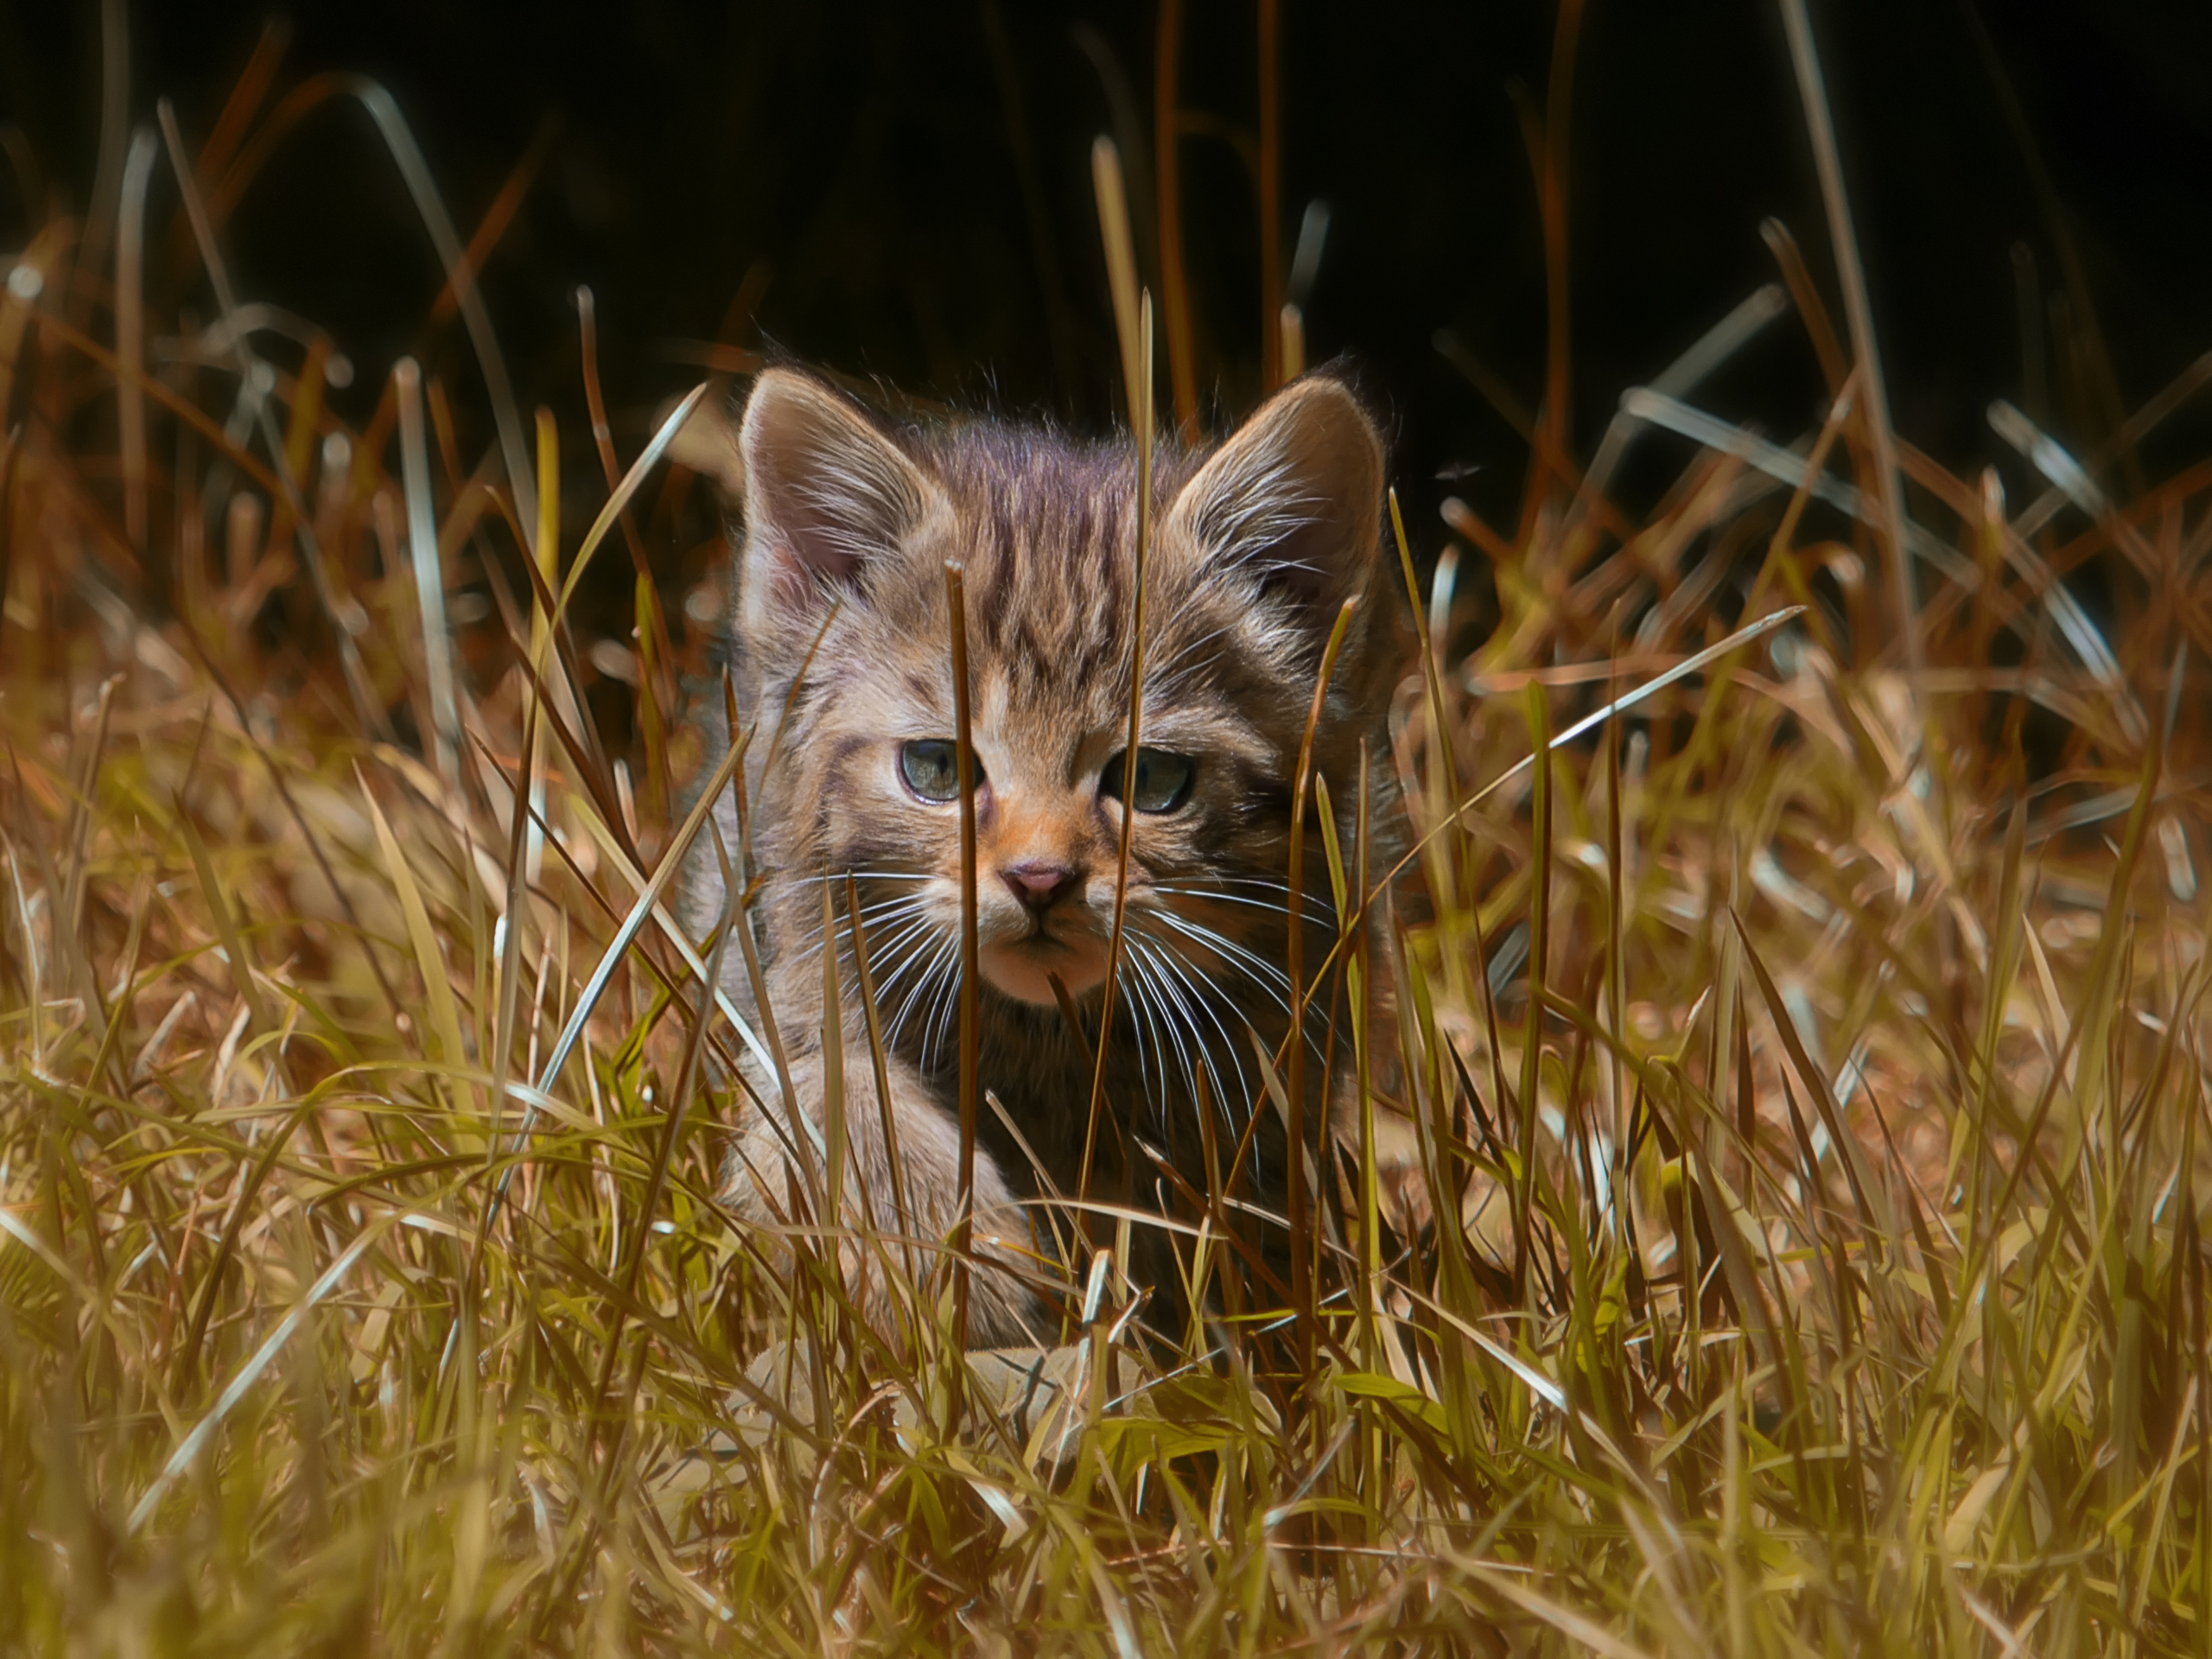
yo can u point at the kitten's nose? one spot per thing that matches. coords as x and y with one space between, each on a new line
1038 885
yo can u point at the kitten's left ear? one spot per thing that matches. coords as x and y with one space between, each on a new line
826 494
1294 496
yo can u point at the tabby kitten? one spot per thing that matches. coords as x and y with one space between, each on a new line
843 670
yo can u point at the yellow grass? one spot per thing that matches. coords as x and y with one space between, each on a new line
1817 1051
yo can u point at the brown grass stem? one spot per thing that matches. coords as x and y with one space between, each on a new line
1268 33
1167 196
1859 312
955 599
1111 191
1301 1260
1140 395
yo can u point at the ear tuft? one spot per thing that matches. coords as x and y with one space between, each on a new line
825 491
1294 496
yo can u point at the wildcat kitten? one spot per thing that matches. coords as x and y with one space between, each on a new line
842 669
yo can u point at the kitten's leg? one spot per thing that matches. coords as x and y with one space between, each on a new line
1001 1309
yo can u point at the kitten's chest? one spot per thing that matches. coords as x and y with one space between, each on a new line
1159 1083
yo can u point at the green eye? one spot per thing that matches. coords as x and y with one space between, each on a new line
1163 780
931 766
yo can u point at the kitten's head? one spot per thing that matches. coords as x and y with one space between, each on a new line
843 641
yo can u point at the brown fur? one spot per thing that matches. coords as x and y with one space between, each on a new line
840 647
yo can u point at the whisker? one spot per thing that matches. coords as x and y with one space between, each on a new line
838 876
896 954
939 1028
1241 955
1162 1027
1262 973
1318 913
1215 879
1165 991
1198 989
931 958
880 917
1131 991
1231 1046
885 938
1171 1025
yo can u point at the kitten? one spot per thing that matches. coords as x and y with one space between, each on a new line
841 668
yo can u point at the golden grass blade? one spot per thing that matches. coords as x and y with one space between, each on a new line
1859 312
384 109
1646 403
1140 396
1681 670
1290 331
429 572
1678 380
631 481
1896 1348
649 907
1121 265
1167 202
1583 1631
1538 715
437 988
1274 341
130 332
191 1446
45 1252
227 927
1302 1176
970 972
365 705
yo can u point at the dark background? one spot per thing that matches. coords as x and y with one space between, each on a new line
860 158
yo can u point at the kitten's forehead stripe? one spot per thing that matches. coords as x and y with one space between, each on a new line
1047 528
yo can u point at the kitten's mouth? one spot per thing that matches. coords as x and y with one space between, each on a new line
1024 967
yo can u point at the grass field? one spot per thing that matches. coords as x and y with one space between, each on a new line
1817 1051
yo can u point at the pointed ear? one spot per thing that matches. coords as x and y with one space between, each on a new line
1294 497
826 492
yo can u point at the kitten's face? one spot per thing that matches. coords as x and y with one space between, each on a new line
843 604
1049 728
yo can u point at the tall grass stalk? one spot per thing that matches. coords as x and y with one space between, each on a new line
1767 1217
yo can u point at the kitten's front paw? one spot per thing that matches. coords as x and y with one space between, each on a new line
1003 1308
906 1227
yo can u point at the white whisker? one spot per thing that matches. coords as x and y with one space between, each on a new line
1317 913
890 959
878 919
1169 1004
1172 1019
1198 989
1240 956
1131 990
932 958
937 1028
1264 973
861 876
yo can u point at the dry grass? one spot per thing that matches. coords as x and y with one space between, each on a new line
1833 1278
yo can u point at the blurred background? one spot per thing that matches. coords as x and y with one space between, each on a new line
901 191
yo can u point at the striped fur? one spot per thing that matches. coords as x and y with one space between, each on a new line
840 654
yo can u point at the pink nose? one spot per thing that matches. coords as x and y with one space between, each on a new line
1038 885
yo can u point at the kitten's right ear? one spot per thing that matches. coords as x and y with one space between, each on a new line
826 492
1294 499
